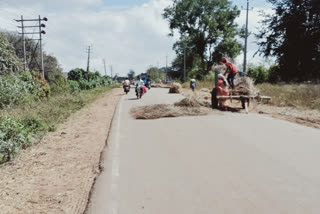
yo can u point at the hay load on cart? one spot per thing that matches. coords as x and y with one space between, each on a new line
244 90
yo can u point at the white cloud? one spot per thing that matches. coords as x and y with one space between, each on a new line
127 37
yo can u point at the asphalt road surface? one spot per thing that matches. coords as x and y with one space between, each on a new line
220 163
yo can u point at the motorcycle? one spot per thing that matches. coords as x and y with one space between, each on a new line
148 85
126 88
139 92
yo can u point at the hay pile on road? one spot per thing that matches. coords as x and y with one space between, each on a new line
245 86
165 110
175 88
188 102
201 97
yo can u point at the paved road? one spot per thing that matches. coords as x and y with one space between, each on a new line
221 163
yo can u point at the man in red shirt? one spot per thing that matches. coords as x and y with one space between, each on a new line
231 70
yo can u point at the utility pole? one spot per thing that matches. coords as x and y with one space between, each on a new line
88 62
184 65
246 41
104 64
23 45
40 32
111 69
166 68
41 52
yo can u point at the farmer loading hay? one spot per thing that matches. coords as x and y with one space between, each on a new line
242 89
231 71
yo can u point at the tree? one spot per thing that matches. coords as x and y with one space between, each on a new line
259 73
292 35
51 64
153 73
207 30
131 74
9 62
77 74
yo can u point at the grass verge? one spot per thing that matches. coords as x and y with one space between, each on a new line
304 96
21 125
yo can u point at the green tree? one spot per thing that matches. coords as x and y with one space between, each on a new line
51 64
207 30
259 73
153 73
292 35
9 62
131 74
77 74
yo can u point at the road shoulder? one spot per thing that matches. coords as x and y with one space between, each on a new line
56 175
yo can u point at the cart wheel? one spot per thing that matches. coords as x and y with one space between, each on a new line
214 100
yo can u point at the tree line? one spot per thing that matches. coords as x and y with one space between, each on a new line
207 31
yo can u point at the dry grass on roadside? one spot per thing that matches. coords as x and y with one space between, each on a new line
293 95
54 110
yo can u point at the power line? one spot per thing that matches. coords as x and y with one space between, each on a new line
39 25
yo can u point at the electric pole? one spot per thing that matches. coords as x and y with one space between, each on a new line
111 69
184 65
166 68
104 64
88 62
41 52
246 42
23 45
40 32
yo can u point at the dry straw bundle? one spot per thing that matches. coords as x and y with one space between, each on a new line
186 107
218 67
245 86
175 88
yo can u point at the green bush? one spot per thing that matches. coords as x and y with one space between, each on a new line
13 137
73 86
77 74
59 84
9 62
259 73
43 86
13 90
18 89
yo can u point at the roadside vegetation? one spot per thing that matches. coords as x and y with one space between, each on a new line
31 105
305 96
290 36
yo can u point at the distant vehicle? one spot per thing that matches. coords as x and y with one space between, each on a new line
144 78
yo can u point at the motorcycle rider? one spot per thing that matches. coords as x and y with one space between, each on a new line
139 83
148 83
126 82
231 71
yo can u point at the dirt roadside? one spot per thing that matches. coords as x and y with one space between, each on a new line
56 175
306 117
